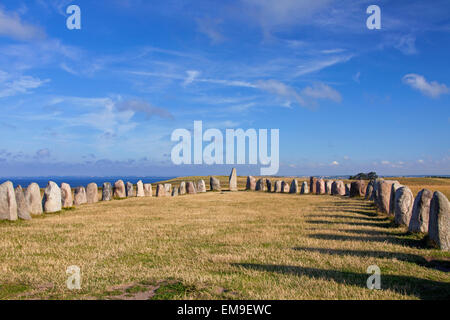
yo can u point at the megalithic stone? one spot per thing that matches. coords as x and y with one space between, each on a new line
23 209
421 212
305 188
107 193
79 196
92 193
251 183
52 198
439 224
148 190
233 180
66 196
119 189
140 189
8 204
214 184
404 201
34 199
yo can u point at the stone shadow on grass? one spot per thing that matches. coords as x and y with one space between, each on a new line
341 216
353 223
432 263
415 243
421 288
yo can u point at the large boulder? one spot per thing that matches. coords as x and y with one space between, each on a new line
421 212
92 193
201 186
305 188
338 188
66 196
328 186
190 188
357 188
251 183
395 186
107 192
8 204
175 192
439 224
214 184
278 186
313 185
148 190
320 186
119 190
369 191
168 187
79 196
285 187
52 198
294 187
269 185
404 201
34 199
233 180
23 209
182 190
261 185
375 192
140 189
130 190
383 195
160 190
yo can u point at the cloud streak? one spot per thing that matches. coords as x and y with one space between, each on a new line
431 89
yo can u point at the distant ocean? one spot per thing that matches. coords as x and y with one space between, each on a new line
79 181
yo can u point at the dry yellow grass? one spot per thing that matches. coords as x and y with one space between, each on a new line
242 245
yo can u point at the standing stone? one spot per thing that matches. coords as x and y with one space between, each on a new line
328 185
201 186
305 188
168 188
439 224
190 188
182 190
369 191
107 192
313 185
79 196
8 204
284 187
383 195
66 196
119 189
338 188
320 186
395 186
278 186
92 193
347 189
130 190
175 192
33 198
294 186
233 180
160 191
269 185
421 212
251 183
140 189
261 185
23 209
404 201
376 187
148 190
357 188
52 198
214 184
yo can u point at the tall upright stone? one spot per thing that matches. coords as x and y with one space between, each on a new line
328 185
251 184
285 187
92 193
182 190
160 190
421 212
233 180
395 186
404 201
190 188
305 188
107 192
214 184
338 188
347 189
175 192
269 185
357 188
313 185
439 223
369 190
119 190
140 189
261 185
148 190
23 209
320 186
278 186
66 196
8 204
79 196
34 199
383 195
168 187
130 190
201 186
294 187
52 198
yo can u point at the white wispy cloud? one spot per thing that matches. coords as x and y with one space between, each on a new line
209 27
317 65
12 26
322 91
11 85
431 89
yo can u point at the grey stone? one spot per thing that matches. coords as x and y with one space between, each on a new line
357 188
23 209
214 184
168 188
404 201
269 185
66 196
92 193
160 190
313 185
8 204
182 190
369 190
175 192
278 186
328 185
190 188
130 190
439 224
34 199
347 189
383 195
233 180
305 188
201 186
338 188
261 185
320 186
140 189
395 186
148 190
421 212
285 187
119 189
52 198
107 192
294 187
79 196
251 183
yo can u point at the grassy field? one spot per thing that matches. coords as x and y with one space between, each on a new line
242 245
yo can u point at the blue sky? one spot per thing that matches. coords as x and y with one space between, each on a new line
105 99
